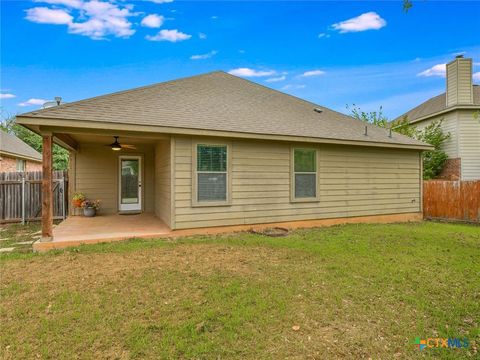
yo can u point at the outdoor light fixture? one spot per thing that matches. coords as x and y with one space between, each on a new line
116 145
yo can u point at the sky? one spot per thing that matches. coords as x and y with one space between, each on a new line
334 54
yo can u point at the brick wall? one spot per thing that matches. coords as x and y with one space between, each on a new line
451 170
9 164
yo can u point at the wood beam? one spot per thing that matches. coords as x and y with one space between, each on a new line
66 141
47 186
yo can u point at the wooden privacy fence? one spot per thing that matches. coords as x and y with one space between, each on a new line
452 200
21 196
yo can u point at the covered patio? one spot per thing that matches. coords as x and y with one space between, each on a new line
76 230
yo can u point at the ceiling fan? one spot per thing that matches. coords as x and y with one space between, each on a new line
116 146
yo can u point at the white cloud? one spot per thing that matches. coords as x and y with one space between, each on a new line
202 36
103 19
312 73
95 19
43 15
160 1
152 21
476 76
33 102
251 73
436 70
169 35
323 35
293 86
368 21
76 4
276 79
7 96
204 56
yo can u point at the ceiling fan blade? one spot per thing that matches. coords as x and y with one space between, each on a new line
128 146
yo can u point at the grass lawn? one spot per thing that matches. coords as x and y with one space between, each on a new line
19 237
353 291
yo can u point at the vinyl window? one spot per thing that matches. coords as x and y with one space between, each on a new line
212 174
304 174
21 165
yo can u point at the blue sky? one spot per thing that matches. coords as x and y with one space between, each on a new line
332 53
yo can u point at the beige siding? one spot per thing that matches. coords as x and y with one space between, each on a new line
163 181
469 145
449 125
96 175
459 82
353 181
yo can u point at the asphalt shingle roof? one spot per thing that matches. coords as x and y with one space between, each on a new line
436 104
13 145
219 101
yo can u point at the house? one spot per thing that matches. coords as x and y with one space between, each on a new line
15 155
459 109
217 150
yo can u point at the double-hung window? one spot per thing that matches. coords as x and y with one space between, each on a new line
304 175
212 174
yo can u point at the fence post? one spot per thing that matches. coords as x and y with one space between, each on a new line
62 193
23 199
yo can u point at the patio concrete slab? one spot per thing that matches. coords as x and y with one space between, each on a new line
76 230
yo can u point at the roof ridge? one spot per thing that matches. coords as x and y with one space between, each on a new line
66 105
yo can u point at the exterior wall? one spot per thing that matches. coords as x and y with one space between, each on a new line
163 181
459 82
469 144
9 164
449 125
96 175
352 181
452 170
464 142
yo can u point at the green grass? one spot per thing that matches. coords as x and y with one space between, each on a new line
14 234
355 291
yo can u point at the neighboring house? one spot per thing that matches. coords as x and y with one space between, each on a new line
15 155
459 108
217 150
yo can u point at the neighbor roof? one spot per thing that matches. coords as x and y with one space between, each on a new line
13 146
219 101
435 105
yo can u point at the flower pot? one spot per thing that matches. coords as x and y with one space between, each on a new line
89 212
77 203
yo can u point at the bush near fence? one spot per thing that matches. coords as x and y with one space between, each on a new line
452 200
21 196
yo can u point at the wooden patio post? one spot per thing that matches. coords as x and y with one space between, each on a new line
47 205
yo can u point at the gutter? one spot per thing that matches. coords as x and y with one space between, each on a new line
23 157
444 111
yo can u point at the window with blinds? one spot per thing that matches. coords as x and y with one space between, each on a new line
212 175
305 173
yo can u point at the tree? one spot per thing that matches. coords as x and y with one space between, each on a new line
60 155
407 5
433 160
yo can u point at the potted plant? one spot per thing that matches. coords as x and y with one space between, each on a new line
78 199
90 207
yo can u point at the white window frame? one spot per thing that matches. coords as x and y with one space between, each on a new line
316 198
195 172
130 207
